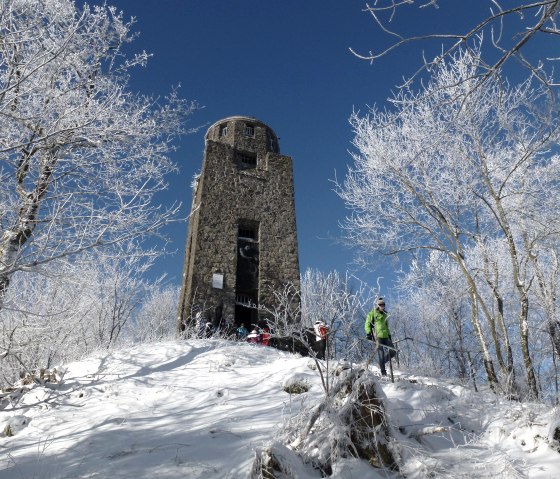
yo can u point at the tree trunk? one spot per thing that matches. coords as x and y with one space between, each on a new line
507 367
548 296
520 287
524 331
4 284
17 236
475 301
488 364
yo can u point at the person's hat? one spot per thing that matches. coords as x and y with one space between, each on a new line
380 301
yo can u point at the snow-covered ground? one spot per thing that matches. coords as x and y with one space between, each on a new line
200 409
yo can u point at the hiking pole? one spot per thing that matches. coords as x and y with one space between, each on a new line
391 368
397 350
386 349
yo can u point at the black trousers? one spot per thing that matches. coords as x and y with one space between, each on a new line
320 348
385 351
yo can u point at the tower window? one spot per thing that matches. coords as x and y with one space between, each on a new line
245 300
223 130
246 160
247 231
250 131
247 274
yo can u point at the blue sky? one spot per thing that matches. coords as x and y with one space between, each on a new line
288 64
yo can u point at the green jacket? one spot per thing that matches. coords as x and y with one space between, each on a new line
376 323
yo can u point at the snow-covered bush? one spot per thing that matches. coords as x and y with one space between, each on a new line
155 318
76 308
349 422
296 384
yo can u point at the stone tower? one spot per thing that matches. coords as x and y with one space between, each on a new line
241 240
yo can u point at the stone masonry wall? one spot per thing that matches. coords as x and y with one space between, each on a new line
229 191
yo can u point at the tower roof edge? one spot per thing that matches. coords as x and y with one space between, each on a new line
249 119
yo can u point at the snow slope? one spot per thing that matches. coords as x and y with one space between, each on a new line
200 409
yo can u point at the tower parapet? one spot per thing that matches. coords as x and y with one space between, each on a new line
245 133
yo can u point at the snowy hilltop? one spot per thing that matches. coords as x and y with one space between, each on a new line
214 409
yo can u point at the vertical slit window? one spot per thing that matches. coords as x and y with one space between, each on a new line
250 131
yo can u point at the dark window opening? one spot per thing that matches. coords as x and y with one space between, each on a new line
246 299
250 131
247 277
247 160
247 231
223 130
247 316
247 265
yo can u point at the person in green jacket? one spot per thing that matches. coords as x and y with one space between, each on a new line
377 329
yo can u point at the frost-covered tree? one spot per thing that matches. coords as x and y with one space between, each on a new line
546 267
81 156
433 308
49 324
74 309
155 319
452 165
342 303
510 26
117 289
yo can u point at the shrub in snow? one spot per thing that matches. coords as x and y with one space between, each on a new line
15 424
349 422
554 434
369 432
42 376
275 462
296 384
